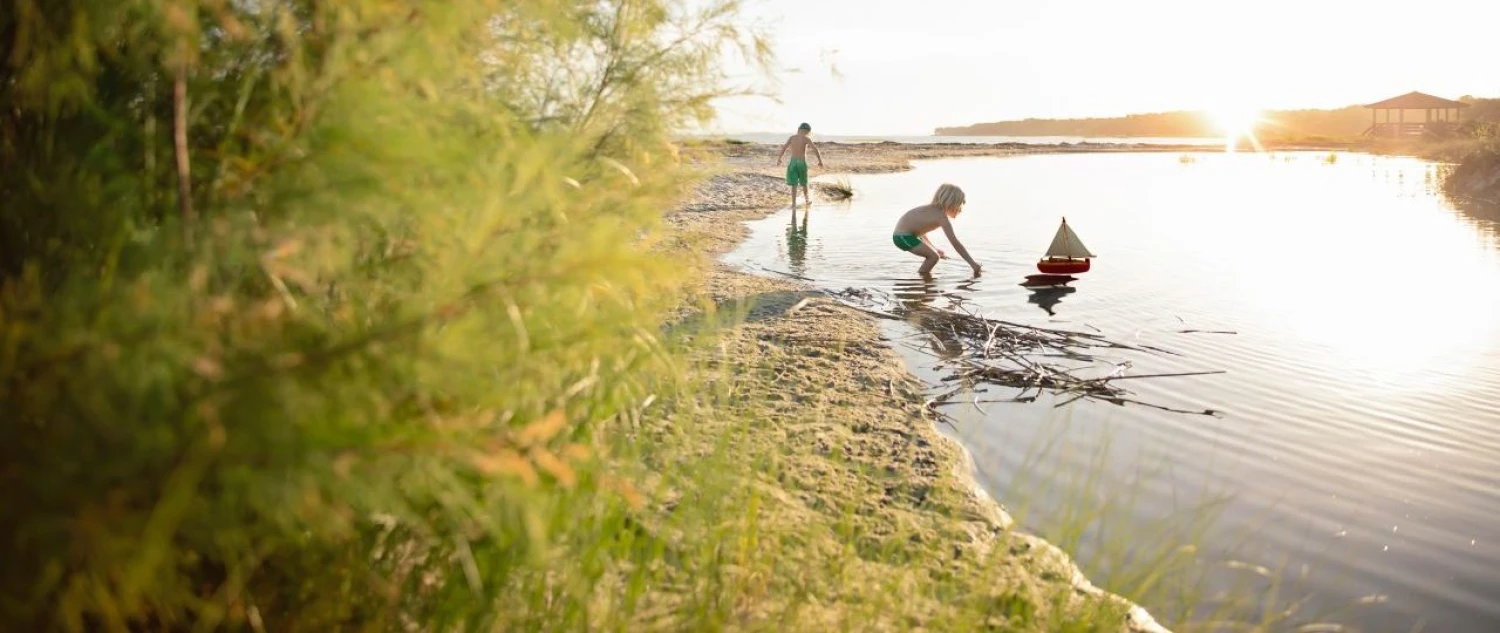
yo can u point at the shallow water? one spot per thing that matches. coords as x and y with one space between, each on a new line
1359 451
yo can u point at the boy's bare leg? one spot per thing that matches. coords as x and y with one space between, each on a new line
806 197
794 196
929 257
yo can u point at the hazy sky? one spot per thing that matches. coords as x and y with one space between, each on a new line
909 66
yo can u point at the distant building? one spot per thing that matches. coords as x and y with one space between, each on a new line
1426 113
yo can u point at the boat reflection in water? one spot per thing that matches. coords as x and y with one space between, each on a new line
1048 298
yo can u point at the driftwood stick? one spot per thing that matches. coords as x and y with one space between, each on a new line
1069 401
1214 413
786 274
873 313
1186 373
954 403
942 397
180 149
991 338
1054 332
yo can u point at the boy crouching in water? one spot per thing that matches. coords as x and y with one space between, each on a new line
912 229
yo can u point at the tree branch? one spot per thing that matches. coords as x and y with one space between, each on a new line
179 142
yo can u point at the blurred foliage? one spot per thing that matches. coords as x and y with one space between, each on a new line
310 311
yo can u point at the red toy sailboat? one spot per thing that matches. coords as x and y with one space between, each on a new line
1067 255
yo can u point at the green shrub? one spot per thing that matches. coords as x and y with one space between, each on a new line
312 311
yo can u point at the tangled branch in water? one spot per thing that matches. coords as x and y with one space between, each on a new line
1007 354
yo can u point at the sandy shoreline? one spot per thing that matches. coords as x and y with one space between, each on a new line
886 157
841 404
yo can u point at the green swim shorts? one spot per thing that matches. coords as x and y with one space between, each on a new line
796 172
906 241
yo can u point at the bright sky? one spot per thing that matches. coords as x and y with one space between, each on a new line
906 67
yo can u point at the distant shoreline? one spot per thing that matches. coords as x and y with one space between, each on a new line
894 156
923 139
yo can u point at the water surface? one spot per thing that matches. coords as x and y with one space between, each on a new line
1360 447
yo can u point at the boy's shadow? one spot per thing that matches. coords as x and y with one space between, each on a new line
796 244
914 299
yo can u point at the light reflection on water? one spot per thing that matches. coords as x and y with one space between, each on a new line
1362 439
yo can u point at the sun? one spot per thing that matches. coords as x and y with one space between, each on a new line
1235 120
1236 123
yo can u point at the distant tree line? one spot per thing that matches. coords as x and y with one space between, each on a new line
1273 124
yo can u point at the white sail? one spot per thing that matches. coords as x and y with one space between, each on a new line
1067 244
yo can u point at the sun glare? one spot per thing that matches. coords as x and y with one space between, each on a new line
1236 123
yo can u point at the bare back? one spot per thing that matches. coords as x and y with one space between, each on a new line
921 220
798 145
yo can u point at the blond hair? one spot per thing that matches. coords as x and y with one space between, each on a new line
948 197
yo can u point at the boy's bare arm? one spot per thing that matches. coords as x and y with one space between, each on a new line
958 246
785 145
817 152
932 245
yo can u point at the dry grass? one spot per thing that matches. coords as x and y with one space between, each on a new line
840 189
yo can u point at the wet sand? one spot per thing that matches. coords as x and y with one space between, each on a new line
846 421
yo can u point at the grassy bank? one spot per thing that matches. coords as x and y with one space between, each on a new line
862 516
1474 156
1476 177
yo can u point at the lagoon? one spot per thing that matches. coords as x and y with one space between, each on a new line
1354 476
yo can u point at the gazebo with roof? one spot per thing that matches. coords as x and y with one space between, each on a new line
1438 114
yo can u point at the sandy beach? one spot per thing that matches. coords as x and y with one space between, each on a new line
846 420
886 157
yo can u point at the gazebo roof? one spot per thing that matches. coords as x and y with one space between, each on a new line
1416 101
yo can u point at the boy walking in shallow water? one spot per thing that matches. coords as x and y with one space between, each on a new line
912 229
796 168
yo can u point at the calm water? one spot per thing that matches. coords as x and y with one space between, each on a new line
1360 446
